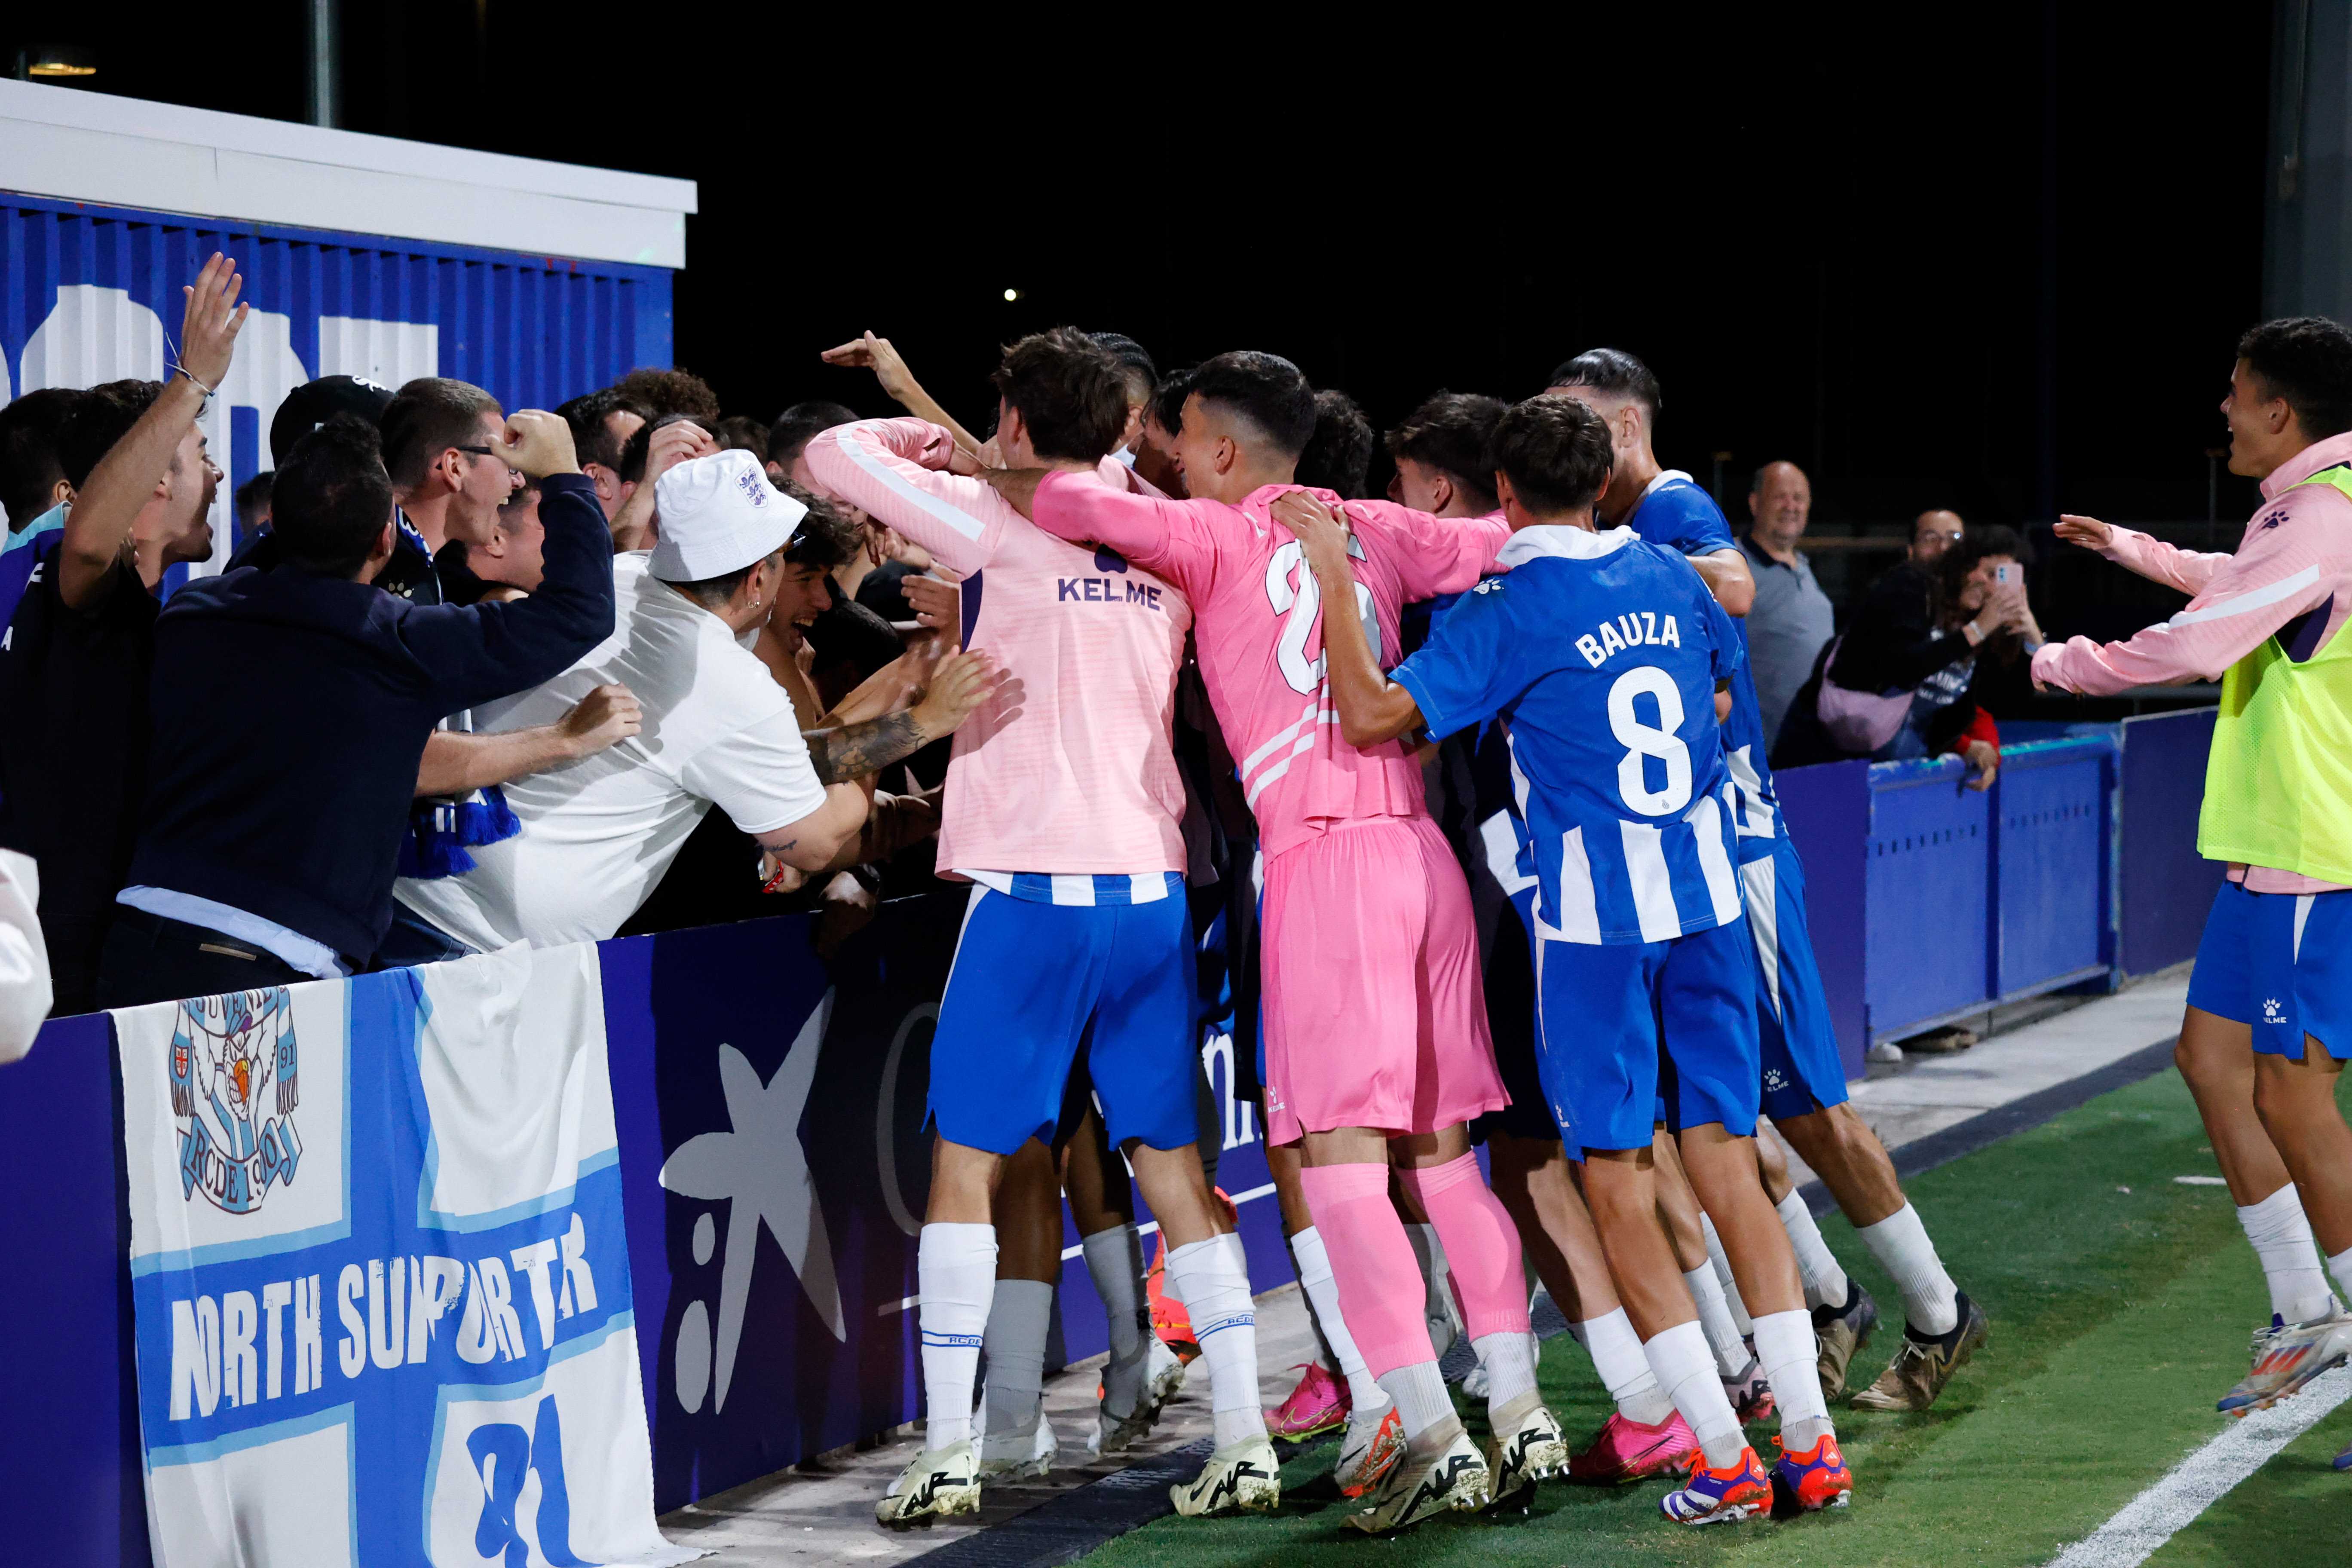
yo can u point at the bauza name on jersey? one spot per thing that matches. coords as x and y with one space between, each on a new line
1628 631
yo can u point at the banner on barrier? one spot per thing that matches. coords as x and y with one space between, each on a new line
379 1277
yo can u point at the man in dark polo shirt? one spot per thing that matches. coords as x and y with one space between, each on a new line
75 658
291 711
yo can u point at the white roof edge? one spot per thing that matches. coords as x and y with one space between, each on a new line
94 147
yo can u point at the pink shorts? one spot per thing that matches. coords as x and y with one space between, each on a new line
1375 1010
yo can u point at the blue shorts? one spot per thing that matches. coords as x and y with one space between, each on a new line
1802 1072
1601 1010
2281 963
1029 980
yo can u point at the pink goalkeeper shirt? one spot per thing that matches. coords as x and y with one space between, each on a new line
1260 638
2290 578
1071 768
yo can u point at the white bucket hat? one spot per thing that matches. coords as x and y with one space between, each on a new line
718 514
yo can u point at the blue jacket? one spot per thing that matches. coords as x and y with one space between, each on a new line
291 712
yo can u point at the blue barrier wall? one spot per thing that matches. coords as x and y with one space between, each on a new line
775 1161
1929 901
775 1164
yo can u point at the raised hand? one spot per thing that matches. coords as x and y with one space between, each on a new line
2087 532
870 352
538 444
208 330
674 443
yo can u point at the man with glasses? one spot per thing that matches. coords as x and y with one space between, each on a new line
445 447
1933 532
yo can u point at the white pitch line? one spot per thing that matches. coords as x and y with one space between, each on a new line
2201 1479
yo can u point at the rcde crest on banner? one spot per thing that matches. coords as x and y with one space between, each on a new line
402 1332
233 1066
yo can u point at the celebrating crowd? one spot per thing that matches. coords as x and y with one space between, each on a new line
474 677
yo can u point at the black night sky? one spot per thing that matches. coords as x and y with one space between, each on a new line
1997 262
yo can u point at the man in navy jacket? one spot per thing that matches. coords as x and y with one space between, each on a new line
291 708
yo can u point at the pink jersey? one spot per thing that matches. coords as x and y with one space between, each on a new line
1071 768
1260 637
2294 564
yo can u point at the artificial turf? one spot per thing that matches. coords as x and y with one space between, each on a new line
2120 1301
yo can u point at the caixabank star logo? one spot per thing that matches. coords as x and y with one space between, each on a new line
234 1084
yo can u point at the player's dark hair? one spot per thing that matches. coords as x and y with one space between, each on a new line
1168 402
253 495
1450 433
425 418
1555 451
331 498
29 469
741 432
103 415
1340 453
2306 360
1071 391
670 392
796 427
826 538
1613 371
1142 374
591 432
1266 392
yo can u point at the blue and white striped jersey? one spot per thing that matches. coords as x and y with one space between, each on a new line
1675 513
1098 889
1601 655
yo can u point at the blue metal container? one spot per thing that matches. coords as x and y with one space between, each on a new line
91 293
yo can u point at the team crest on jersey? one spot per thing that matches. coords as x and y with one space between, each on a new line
233 1067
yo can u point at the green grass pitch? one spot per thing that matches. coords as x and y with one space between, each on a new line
2120 1303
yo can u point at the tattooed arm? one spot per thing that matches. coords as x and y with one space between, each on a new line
960 685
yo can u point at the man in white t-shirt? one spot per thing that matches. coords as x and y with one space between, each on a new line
598 833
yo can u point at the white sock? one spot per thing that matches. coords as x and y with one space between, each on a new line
1715 1321
1213 1279
1419 1390
1792 1358
1825 1281
1625 1370
955 1267
1115 1263
1323 1294
2341 1267
1509 1358
1685 1370
1020 1315
1930 1300
1436 1286
2281 1238
1723 1276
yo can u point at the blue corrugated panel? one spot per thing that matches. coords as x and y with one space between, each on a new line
2050 864
90 294
1926 895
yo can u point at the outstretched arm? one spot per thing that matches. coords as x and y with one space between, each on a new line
890 369
2187 570
1372 707
109 499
